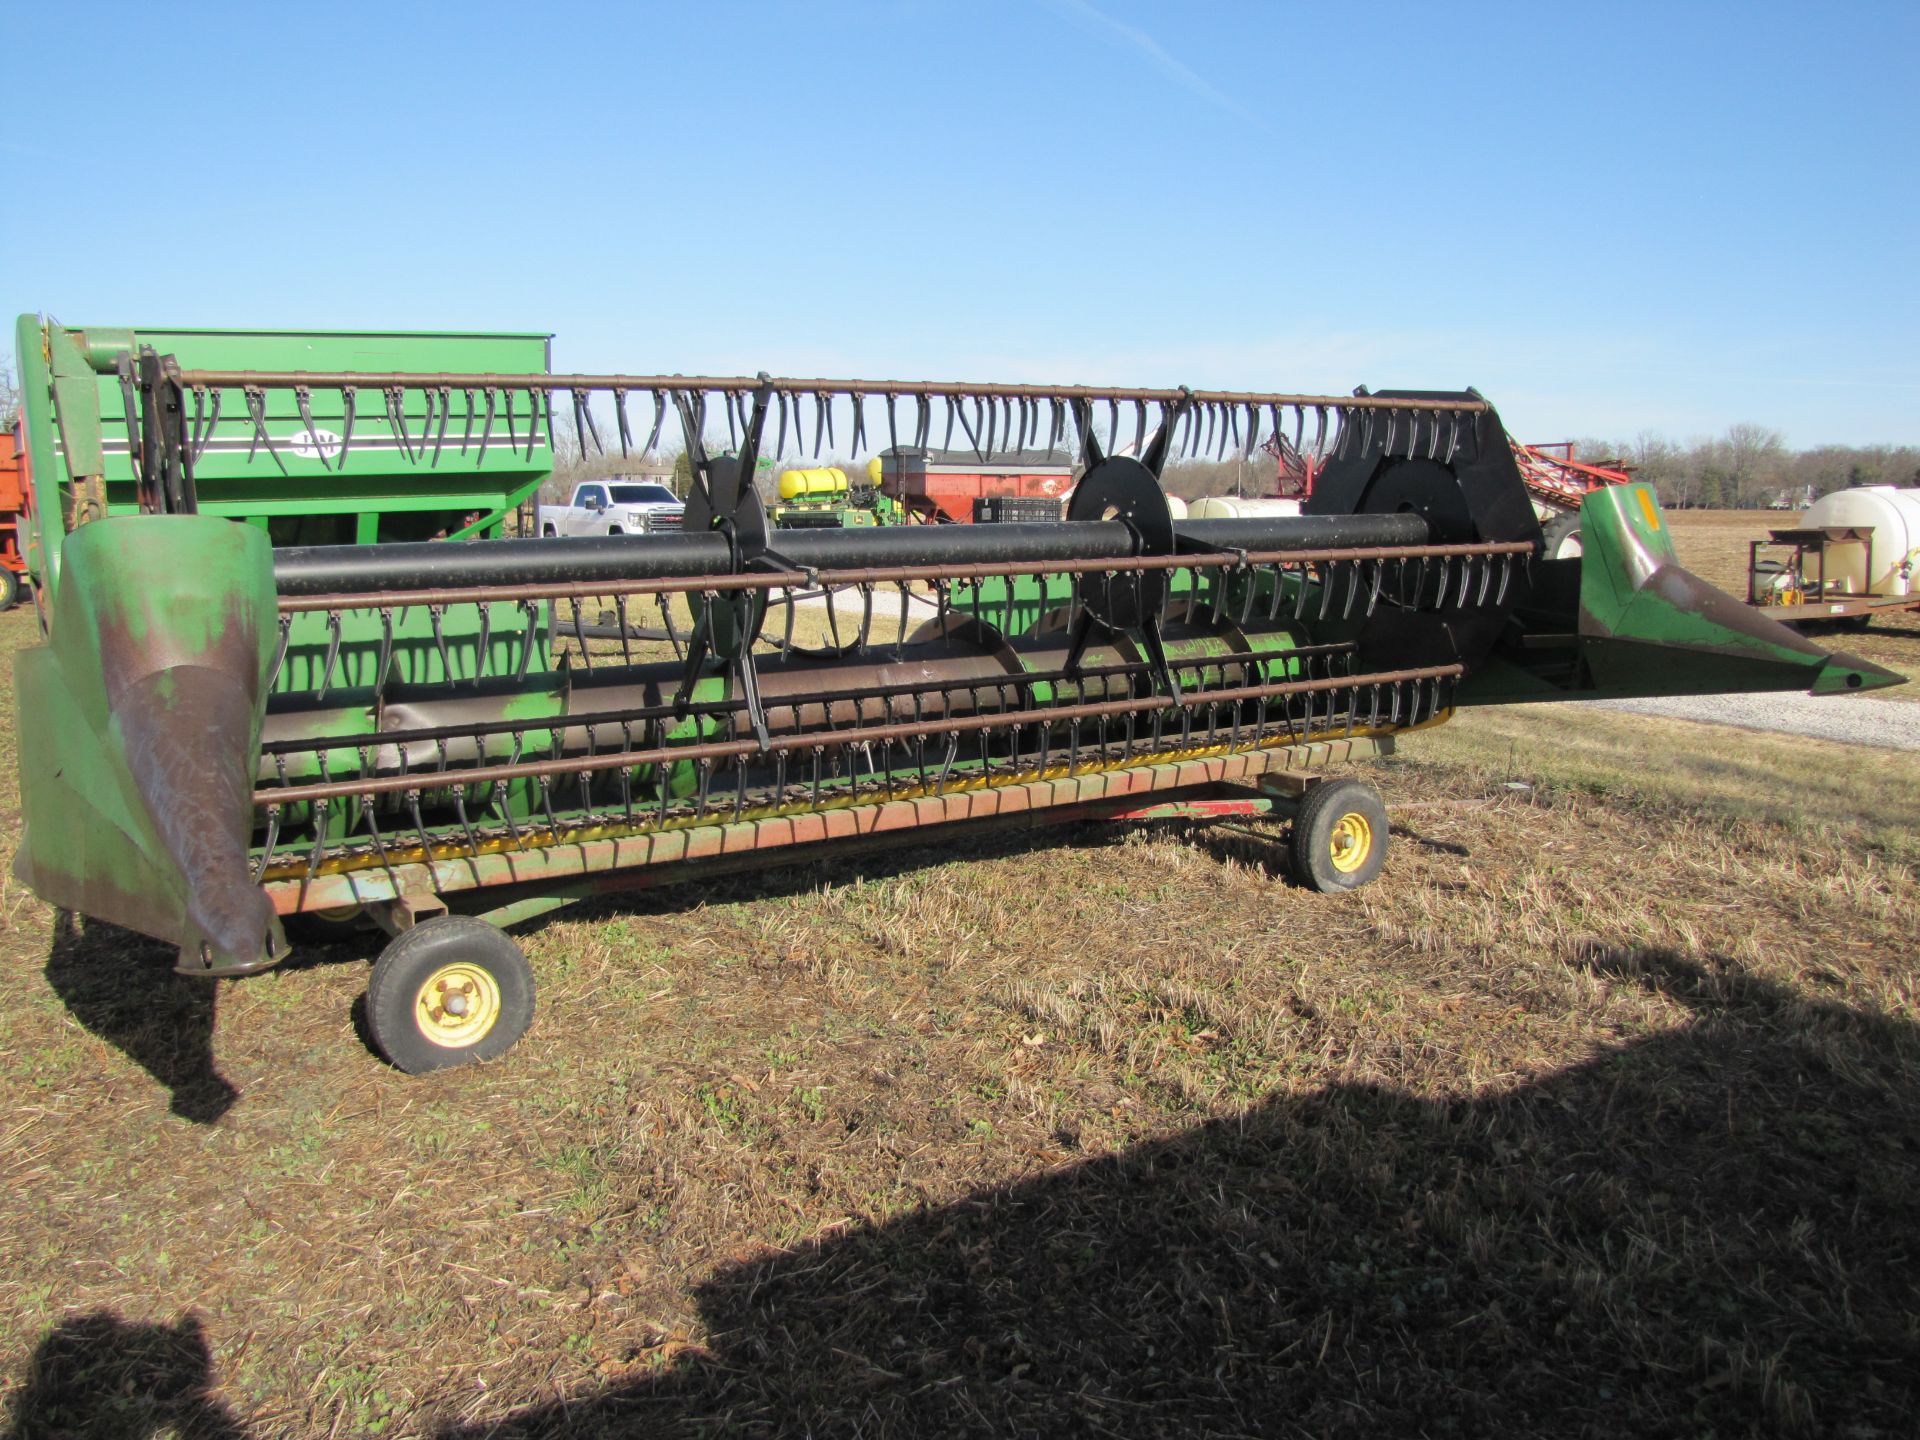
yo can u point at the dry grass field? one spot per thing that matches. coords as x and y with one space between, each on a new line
1598 1115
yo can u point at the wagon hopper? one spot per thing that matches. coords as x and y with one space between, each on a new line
307 464
446 738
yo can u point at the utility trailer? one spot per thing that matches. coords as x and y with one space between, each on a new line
442 740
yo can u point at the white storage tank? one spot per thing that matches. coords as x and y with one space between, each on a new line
1177 507
1229 507
1893 515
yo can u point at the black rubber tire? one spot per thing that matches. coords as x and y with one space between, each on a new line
1559 531
9 588
1324 831
549 532
408 965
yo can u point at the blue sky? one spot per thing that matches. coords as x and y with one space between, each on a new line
1609 218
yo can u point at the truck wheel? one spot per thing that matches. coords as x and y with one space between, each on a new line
9 588
1339 839
549 532
615 530
1563 537
448 992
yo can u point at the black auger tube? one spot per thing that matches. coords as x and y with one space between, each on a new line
338 569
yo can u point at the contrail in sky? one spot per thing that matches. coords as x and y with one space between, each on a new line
1176 70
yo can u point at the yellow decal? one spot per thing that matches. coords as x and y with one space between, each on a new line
1647 507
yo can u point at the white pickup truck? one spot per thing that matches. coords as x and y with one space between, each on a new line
613 507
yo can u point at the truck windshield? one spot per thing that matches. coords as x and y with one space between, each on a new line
644 495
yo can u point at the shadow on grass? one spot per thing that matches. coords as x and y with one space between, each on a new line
1711 1231
121 986
98 1377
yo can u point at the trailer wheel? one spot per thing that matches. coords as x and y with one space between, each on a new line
9 588
450 991
1563 537
1339 839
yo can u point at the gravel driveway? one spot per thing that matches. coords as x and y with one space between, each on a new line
1851 719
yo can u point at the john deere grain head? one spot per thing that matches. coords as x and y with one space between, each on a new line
219 735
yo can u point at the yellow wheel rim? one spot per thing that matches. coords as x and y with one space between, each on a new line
1351 842
457 1006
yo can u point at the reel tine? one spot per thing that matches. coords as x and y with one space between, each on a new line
1058 422
303 397
213 422
1433 434
195 444
466 432
923 420
780 412
1253 428
257 409
819 422
1139 427
1453 436
1373 587
730 400
533 417
333 653
991 411
1207 443
893 430
435 614
953 409
426 425
586 409
1231 424
826 400
659 418
385 662
440 435
397 420
1506 573
513 437
859 421
486 431
580 635
1113 424
481 644
620 418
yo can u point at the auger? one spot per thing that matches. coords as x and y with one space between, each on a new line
441 739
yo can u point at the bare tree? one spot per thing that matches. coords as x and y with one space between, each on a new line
9 393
